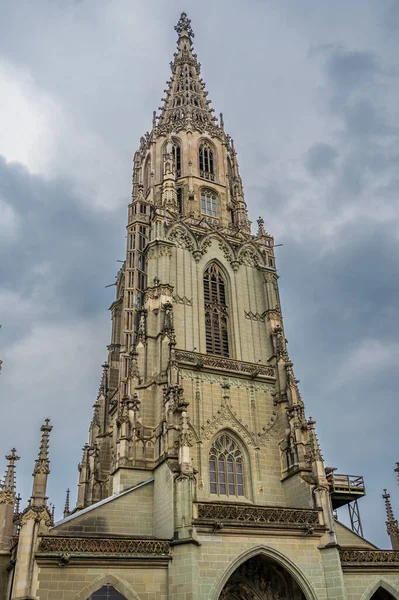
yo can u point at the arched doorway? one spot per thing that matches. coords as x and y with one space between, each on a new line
260 578
106 592
382 594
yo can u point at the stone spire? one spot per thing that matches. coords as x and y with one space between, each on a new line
66 507
7 489
186 97
391 522
7 502
42 468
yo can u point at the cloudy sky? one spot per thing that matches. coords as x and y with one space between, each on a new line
309 93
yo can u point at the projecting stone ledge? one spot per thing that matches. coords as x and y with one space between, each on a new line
220 363
220 516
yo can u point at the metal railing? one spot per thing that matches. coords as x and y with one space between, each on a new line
346 483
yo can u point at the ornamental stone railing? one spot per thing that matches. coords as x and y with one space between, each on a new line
219 515
356 557
103 546
220 363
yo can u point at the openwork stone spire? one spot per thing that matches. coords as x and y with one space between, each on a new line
186 100
7 490
391 522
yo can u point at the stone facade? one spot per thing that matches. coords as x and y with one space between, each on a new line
202 478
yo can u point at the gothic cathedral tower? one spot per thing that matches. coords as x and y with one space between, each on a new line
198 345
202 478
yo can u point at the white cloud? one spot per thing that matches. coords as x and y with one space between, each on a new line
27 119
369 358
39 133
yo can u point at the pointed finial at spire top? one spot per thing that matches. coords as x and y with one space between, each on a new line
183 26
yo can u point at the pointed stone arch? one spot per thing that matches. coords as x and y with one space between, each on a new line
224 245
380 584
108 579
273 555
249 255
182 236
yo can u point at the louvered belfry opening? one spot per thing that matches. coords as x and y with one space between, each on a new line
216 313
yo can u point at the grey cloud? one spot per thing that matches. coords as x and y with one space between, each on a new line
65 253
320 158
349 69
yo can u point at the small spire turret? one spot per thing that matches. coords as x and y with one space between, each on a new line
42 468
8 485
391 522
66 507
7 502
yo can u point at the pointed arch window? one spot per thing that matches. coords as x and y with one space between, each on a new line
206 161
147 175
216 314
226 472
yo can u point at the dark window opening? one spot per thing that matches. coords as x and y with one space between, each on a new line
177 157
180 200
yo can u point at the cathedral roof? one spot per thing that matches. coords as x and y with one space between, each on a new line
79 513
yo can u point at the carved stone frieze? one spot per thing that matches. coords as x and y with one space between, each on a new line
258 516
356 557
104 546
234 382
201 361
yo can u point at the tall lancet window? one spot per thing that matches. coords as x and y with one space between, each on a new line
147 175
226 477
206 162
215 312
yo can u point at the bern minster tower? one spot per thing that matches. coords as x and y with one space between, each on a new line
202 477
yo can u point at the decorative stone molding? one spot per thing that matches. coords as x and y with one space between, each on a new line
182 300
103 546
234 382
237 515
356 557
226 417
208 361
255 316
